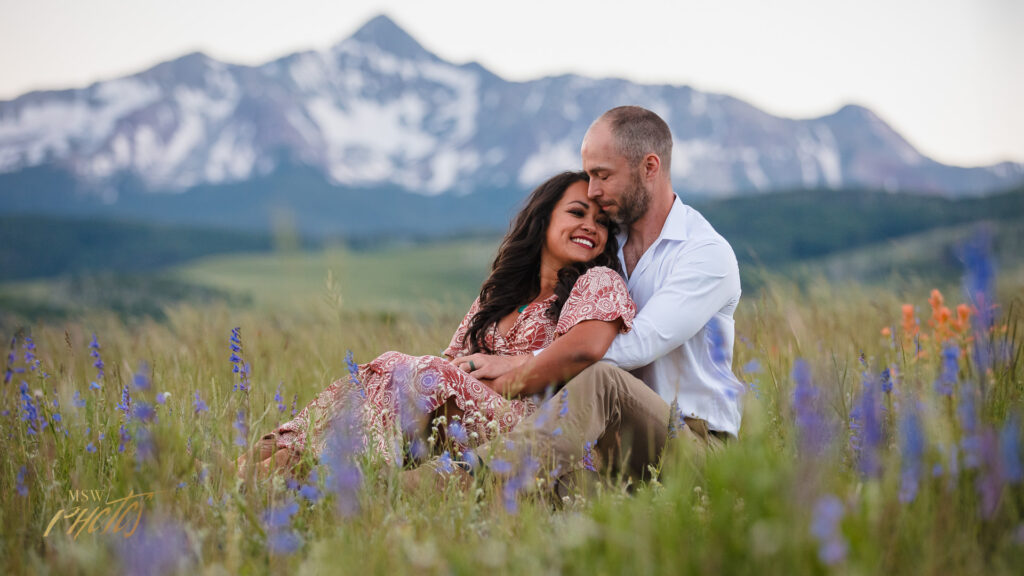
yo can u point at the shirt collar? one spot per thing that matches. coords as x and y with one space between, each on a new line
675 224
673 229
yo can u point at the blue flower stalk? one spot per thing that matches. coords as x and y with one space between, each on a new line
827 530
812 427
281 538
31 361
11 369
866 430
912 444
979 289
30 412
94 352
344 444
238 364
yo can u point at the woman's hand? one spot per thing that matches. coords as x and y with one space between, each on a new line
489 367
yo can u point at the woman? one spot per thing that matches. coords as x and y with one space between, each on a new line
555 276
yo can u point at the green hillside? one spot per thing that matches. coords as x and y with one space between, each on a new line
42 246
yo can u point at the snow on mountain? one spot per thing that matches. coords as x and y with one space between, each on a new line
378 109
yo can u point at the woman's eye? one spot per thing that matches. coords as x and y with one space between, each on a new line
577 213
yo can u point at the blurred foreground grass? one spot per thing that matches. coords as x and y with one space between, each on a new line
861 452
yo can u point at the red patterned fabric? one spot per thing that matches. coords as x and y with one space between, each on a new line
400 390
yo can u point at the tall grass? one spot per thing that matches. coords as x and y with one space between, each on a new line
845 474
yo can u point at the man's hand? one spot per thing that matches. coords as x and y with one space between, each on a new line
489 367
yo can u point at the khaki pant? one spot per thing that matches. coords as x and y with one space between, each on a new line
605 419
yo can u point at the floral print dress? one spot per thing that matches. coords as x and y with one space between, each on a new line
396 391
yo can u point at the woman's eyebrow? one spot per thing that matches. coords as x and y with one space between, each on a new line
581 203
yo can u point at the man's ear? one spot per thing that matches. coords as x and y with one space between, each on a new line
651 166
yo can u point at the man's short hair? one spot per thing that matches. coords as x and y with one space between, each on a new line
639 132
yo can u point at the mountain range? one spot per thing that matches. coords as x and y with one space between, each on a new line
376 125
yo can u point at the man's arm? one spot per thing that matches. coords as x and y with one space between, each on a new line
703 282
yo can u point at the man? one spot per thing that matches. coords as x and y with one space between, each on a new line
685 281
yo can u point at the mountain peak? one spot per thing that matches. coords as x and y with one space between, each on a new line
383 32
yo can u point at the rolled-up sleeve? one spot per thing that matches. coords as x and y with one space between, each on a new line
702 281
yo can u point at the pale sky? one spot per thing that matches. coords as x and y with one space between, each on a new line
947 74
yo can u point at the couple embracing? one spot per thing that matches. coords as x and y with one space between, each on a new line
607 287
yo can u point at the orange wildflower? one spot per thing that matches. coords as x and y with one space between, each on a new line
886 332
963 318
909 321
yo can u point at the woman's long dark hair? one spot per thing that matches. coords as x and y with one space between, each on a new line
515 274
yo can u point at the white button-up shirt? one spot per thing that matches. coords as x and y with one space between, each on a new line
686 287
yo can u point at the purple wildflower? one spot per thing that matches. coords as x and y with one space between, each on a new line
279 399
198 405
444 463
125 437
913 444
344 443
156 547
950 369
521 481
30 413
866 428
886 378
144 411
501 467
238 365
144 448
94 351
353 372
241 429
22 489
825 527
565 404
811 424
979 288
752 367
295 403
990 481
125 405
9 371
457 432
1009 451
280 517
141 378
675 421
588 457
30 354
283 542
162 397
310 492
90 448
77 401
970 440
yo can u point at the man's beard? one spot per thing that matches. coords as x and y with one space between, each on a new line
635 201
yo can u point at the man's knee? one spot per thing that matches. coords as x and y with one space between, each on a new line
600 374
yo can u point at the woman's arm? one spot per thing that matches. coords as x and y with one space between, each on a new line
584 344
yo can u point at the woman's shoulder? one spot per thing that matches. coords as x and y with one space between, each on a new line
599 276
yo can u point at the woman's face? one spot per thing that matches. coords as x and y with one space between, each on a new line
578 230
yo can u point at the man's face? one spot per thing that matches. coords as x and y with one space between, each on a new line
615 185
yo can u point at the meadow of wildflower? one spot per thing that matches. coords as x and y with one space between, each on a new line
882 433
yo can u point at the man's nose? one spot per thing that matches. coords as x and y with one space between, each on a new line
593 189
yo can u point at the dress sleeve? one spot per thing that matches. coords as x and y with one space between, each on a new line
599 294
456 348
